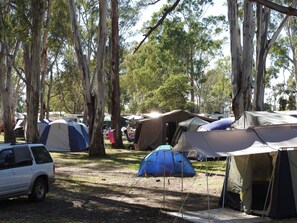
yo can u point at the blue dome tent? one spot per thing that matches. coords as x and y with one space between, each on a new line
164 162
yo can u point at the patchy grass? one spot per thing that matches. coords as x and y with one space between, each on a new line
127 159
115 159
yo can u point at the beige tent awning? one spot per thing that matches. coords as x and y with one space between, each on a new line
219 143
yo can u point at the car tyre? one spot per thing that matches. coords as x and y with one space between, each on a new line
38 192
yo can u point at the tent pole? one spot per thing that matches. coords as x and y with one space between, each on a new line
226 181
207 188
269 188
164 189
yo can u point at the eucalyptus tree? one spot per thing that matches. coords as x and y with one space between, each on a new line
67 92
44 59
183 44
94 95
9 46
58 46
241 55
266 37
32 60
217 89
28 29
114 75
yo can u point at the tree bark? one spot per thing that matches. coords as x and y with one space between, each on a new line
95 103
241 58
292 32
6 63
263 17
44 62
33 87
248 49
236 55
97 134
115 82
286 10
263 47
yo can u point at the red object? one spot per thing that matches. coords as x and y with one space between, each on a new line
110 136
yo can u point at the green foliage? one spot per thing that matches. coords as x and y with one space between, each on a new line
67 91
216 91
184 44
173 93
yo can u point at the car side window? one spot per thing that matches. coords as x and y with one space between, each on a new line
6 159
41 155
22 156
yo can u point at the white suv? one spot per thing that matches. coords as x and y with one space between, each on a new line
25 169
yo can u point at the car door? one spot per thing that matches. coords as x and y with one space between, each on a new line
7 173
24 168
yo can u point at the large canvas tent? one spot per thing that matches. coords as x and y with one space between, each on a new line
152 132
261 175
64 136
164 162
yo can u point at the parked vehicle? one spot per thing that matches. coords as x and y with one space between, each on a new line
25 169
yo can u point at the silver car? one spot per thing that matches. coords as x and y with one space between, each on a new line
25 169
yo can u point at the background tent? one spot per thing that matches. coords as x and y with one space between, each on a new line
42 124
164 162
261 175
152 132
189 125
61 135
190 152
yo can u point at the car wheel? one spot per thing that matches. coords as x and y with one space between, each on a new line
39 190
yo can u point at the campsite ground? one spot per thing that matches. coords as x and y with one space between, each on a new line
108 190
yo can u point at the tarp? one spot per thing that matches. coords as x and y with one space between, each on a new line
262 171
61 135
262 139
221 124
257 118
164 162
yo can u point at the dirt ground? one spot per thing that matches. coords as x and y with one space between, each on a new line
86 194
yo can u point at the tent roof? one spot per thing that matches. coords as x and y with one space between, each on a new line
195 122
218 143
256 118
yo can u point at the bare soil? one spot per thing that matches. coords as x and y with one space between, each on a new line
86 193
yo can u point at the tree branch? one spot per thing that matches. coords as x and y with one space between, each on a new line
286 10
277 32
167 11
153 3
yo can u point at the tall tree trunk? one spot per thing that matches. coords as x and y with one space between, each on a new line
263 46
95 103
236 56
292 32
97 134
247 57
263 17
44 61
6 62
8 105
33 87
115 85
